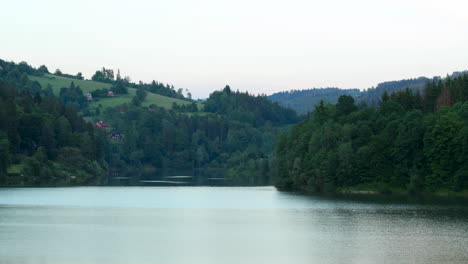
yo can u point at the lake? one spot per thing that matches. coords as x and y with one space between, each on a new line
224 225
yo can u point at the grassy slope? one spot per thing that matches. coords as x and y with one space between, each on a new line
58 82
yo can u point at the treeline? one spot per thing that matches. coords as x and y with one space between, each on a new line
20 71
47 142
235 138
78 76
410 142
303 101
120 84
199 143
256 110
373 95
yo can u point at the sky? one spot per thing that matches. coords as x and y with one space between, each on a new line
263 46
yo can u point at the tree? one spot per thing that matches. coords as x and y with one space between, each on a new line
444 98
4 152
119 88
47 139
43 69
136 101
63 131
98 76
141 94
345 105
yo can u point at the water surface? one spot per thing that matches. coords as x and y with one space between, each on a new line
223 225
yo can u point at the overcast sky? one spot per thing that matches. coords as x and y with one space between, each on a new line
262 46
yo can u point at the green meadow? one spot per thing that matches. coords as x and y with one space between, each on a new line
57 82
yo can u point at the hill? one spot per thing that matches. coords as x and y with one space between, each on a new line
243 107
88 86
303 101
372 95
409 143
45 143
233 140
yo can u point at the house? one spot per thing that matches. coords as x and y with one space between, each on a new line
110 93
116 137
89 96
102 125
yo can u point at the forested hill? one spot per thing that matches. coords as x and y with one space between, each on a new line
43 142
234 138
410 142
373 95
108 131
247 108
303 101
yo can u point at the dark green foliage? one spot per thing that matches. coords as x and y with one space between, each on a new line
373 95
178 142
100 93
4 152
404 144
345 105
78 76
216 143
141 94
105 75
36 135
160 88
242 107
192 108
304 101
43 69
119 87
73 95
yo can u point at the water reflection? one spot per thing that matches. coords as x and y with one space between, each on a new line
224 225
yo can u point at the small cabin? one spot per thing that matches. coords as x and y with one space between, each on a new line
102 125
89 96
116 137
110 93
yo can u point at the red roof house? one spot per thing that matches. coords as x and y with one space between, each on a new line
102 125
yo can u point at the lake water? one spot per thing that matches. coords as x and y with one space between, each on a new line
223 225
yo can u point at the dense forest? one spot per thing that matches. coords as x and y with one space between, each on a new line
303 101
414 140
235 144
256 110
44 142
409 142
233 137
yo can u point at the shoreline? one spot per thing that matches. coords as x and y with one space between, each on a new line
405 193
448 194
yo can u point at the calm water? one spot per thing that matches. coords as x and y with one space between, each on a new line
223 225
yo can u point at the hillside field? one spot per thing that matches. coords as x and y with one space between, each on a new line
87 86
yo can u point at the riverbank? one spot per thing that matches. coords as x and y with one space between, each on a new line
377 190
399 191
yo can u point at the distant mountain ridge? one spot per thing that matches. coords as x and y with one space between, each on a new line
303 101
